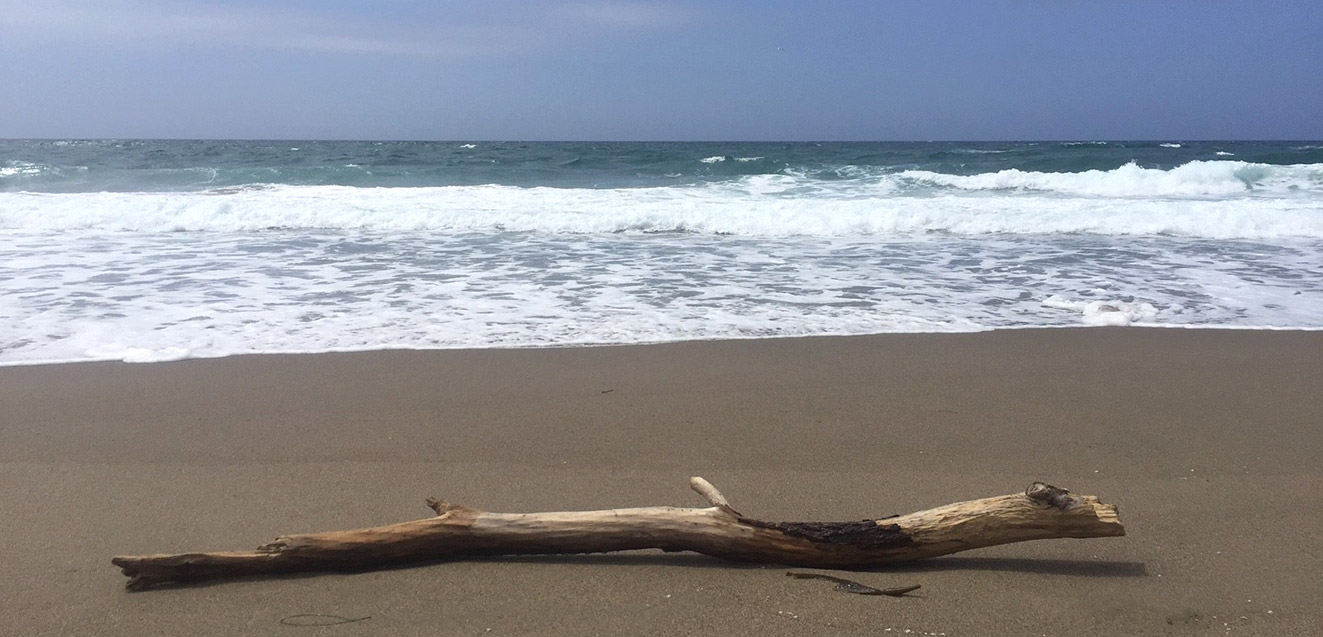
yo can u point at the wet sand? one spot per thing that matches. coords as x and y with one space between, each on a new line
1208 440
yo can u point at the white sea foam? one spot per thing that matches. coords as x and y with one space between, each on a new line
713 159
115 352
1108 312
151 297
1170 145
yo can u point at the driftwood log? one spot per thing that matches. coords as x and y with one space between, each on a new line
1041 512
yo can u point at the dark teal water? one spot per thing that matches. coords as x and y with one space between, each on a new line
185 165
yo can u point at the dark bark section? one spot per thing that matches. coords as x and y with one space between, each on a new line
864 534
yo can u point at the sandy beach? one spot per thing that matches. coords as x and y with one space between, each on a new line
1209 441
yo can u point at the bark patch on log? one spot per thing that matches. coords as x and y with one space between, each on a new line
1055 497
864 534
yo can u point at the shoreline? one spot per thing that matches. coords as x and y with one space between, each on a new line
1207 439
558 346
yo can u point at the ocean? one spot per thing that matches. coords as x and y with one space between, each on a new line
144 251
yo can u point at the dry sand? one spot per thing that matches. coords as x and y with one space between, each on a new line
1208 440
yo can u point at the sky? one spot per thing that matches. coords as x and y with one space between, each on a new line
664 70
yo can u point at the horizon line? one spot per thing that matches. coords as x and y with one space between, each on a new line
670 141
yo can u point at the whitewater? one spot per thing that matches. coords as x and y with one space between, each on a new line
150 251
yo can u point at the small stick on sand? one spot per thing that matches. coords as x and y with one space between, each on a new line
851 586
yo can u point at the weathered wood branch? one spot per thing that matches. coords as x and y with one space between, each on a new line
1041 512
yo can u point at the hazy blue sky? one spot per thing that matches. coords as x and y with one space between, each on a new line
509 69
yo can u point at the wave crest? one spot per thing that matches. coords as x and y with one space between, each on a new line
762 205
1194 179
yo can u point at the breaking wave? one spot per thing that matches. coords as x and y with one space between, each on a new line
1194 179
1210 199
